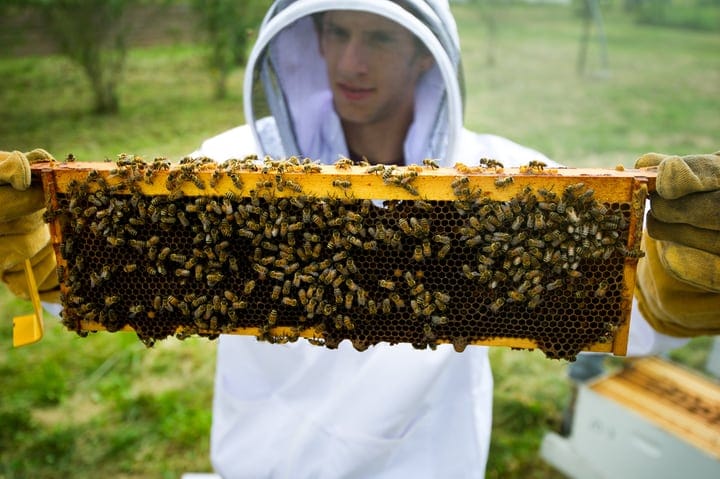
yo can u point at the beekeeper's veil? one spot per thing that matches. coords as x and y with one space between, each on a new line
288 101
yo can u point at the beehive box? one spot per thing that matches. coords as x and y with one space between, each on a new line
526 258
652 419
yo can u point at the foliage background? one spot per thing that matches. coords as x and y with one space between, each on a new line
105 406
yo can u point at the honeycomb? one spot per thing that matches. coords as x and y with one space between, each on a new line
251 246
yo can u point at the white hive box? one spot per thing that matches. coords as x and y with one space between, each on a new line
652 420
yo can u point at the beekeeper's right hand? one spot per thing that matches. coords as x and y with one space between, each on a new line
23 232
679 280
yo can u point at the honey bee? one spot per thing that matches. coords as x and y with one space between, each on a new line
423 205
460 343
328 309
111 300
175 258
182 273
236 180
352 216
497 304
430 163
361 296
214 278
275 295
249 287
349 300
533 302
602 289
538 165
476 241
418 289
397 300
574 273
260 270
490 163
442 297
302 295
442 239
438 320
230 296
343 163
157 303
296 187
354 241
161 269
286 288
572 215
428 332
386 305
409 279
372 307
365 207
554 237
468 272
344 184
554 285
95 279
535 243
516 296
317 220
418 254
304 278
350 264
272 317
115 241
277 275
377 169
460 182
505 181
405 226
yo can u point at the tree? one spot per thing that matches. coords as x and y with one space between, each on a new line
591 15
227 26
93 34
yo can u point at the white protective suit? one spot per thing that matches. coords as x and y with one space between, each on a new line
302 411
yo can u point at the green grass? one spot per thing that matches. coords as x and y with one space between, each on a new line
102 406
105 406
660 93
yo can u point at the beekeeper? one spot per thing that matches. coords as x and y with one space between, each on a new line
381 80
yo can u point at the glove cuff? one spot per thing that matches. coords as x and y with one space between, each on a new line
680 176
673 306
44 267
26 243
695 267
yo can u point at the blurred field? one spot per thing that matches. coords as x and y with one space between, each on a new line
105 406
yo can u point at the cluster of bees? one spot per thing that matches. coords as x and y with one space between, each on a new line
413 271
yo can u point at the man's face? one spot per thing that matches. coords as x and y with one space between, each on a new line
373 65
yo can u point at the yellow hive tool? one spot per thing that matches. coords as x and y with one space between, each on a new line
28 329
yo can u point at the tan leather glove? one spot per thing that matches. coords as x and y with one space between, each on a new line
23 232
678 287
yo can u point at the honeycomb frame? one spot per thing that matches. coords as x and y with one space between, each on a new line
288 249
